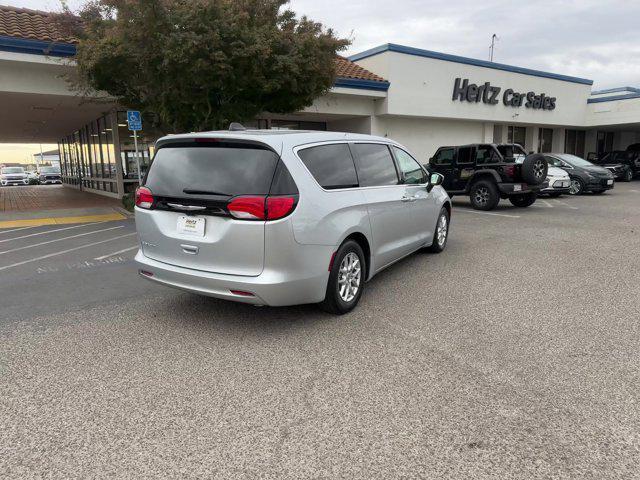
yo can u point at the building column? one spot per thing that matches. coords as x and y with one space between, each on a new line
500 133
116 149
487 132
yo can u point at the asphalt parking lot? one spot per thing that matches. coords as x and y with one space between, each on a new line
513 354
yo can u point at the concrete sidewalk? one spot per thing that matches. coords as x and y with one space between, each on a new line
54 204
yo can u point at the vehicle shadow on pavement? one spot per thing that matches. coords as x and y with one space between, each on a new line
202 312
385 293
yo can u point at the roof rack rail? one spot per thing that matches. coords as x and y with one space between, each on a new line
236 127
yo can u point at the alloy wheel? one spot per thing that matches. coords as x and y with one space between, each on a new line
575 187
442 230
349 277
482 196
538 169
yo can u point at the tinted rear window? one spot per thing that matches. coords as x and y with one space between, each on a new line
227 170
375 165
331 165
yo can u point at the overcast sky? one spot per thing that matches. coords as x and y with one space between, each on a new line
595 39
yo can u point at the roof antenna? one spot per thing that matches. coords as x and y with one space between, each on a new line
236 127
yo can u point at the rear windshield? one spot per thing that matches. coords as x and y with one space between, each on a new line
211 170
512 153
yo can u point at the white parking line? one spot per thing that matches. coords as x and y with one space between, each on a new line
565 204
466 210
64 251
634 191
15 229
60 239
546 203
116 253
44 233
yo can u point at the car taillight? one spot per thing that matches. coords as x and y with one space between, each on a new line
510 170
261 208
247 208
144 198
279 207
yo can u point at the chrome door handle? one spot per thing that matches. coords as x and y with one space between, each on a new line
408 199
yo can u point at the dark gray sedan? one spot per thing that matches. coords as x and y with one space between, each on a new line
585 176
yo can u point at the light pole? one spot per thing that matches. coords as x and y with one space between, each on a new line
494 37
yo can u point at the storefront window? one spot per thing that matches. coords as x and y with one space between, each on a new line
545 140
517 135
574 142
87 156
604 142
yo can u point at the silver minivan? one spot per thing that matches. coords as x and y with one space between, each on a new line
284 217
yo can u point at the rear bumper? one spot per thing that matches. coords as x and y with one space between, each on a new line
306 284
519 188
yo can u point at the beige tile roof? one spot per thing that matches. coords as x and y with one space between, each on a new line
347 69
31 24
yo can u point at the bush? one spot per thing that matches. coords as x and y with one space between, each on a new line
128 201
34 181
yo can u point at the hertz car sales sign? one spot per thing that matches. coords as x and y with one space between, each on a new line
492 95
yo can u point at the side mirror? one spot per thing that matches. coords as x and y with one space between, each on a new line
435 179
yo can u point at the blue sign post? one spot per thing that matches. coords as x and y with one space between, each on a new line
134 120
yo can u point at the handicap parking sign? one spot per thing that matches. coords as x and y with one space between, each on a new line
134 120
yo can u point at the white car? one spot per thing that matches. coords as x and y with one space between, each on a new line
559 182
13 176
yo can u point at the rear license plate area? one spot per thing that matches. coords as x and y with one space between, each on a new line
191 226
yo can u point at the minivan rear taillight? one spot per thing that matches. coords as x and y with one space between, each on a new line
144 198
254 207
279 207
247 208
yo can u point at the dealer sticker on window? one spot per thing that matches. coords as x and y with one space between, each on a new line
193 226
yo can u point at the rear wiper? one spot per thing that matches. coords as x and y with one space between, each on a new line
204 192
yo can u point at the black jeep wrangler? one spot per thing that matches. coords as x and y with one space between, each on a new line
488 172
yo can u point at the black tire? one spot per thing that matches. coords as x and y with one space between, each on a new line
484 195
579 186
439 245
523 200
333 302
534 169
628 176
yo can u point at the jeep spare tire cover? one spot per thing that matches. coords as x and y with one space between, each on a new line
534 169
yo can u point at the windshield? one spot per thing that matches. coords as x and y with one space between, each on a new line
575 161
12 170
49 170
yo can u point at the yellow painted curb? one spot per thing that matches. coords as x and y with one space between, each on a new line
37 222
